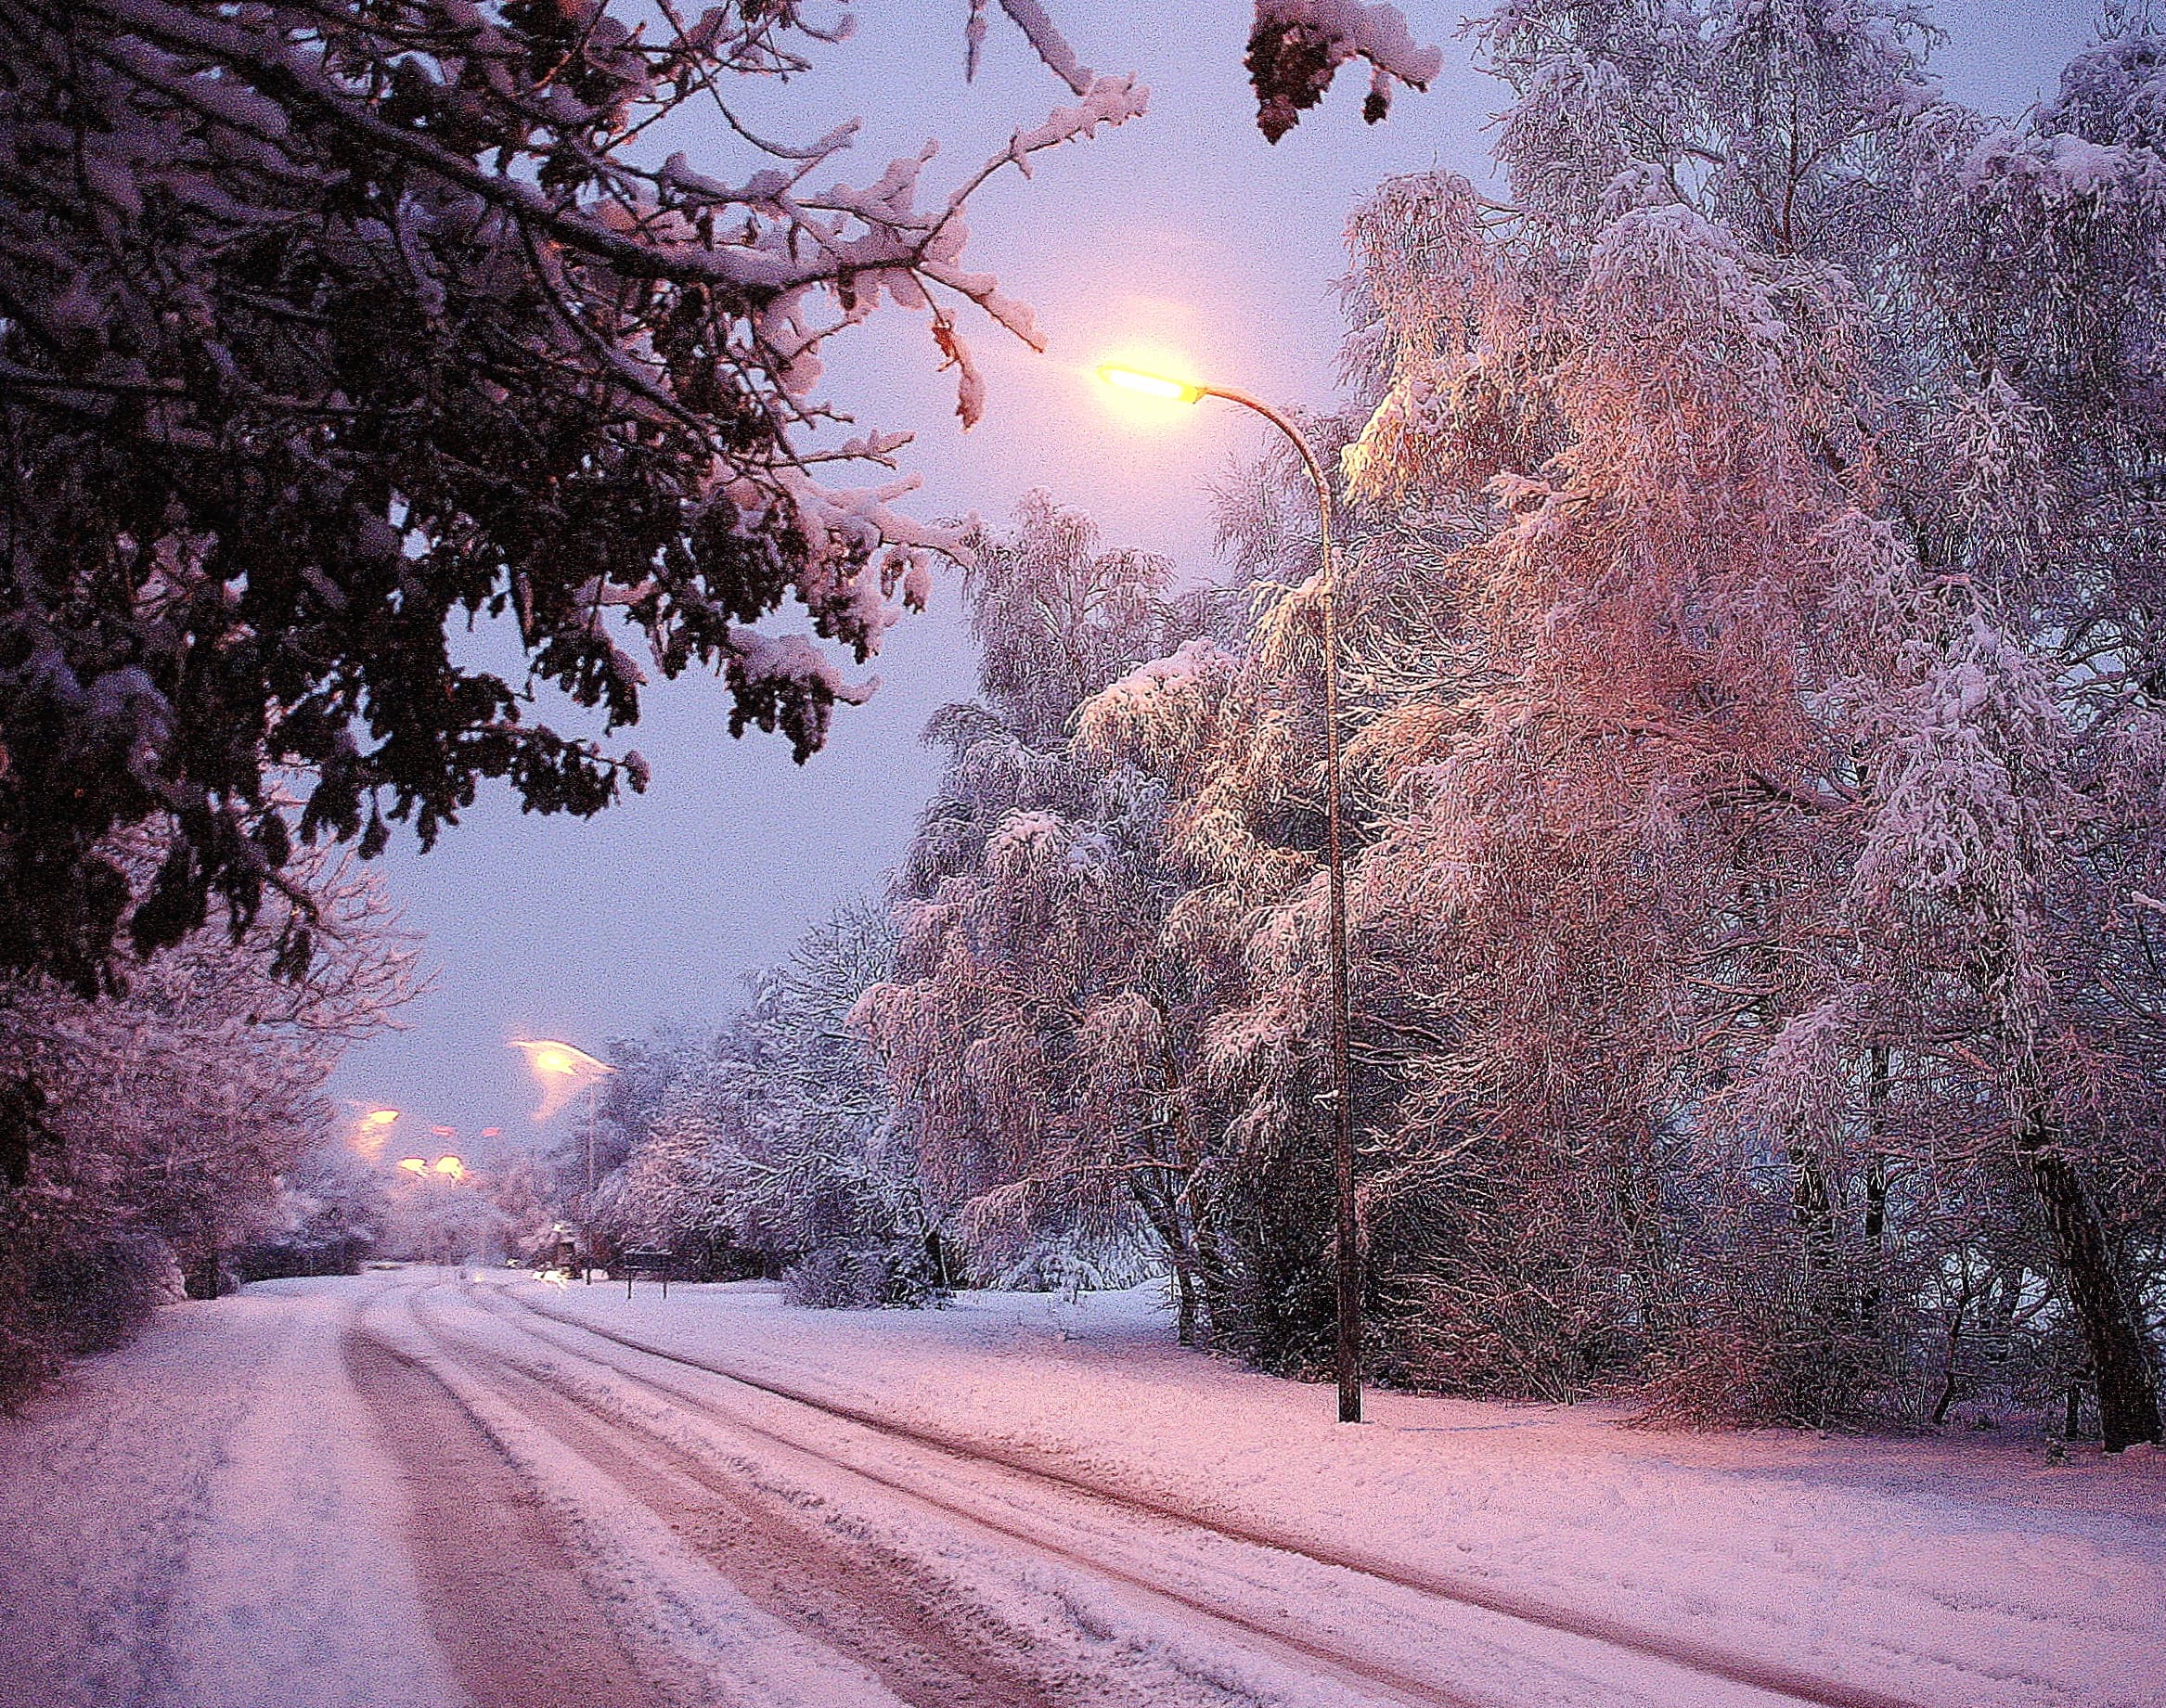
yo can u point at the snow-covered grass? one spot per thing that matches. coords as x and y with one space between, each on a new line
1965 1569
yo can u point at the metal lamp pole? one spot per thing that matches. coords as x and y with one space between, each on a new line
1348 1359
586 1209
551 1060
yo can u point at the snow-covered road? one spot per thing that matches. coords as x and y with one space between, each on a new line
276 1499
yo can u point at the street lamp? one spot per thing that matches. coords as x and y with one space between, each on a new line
371 1130
564 1070
1348 1362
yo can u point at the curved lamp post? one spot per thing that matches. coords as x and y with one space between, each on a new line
563 1071
1348 1363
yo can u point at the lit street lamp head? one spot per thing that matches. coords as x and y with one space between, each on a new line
371 1132
564 1070
1151 385
561 1070
551 1059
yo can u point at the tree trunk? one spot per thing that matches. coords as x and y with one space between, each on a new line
2113 1333
1185 1299
1191 1204
1875 1250
1636 1195
1162 1209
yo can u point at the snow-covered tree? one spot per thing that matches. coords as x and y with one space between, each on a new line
1766 475
326 328
183 1119
332 1209
1027 1027
772 1146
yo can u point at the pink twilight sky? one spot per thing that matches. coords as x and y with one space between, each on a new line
1182 235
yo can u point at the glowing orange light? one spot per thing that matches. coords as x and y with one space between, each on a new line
563 1069
415 1165
451 1168
548 1057
1151 385
371 1132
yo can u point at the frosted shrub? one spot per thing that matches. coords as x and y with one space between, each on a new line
773 1147
1067 1263
859 1278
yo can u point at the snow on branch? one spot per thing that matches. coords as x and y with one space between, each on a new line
421 278
1297 47
1030 18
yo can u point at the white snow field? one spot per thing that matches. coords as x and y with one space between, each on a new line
1021 1500
202 1522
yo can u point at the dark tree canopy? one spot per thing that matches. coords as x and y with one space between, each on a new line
328 326
1296 48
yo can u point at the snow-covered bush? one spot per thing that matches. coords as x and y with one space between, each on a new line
862 1278
1072 1264
331 1212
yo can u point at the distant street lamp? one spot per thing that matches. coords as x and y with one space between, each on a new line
370 1131
1348 1360
564 1070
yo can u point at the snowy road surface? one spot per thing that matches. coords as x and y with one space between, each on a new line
414 1489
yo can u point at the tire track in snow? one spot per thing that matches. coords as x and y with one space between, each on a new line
845 1601
1708 1661
1395 1684
505 1604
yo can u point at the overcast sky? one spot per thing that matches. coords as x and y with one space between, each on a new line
1182 235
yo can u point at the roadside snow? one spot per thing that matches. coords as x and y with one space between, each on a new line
1961 1571
204 1520
211 1520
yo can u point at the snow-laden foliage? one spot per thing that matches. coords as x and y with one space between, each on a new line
184 1122
1755 772
1765 483
1296 48
772 1148
1754 764
328 327
988 1082
1031 1031
331 1211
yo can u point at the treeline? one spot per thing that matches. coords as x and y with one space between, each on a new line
1751 606
176 1139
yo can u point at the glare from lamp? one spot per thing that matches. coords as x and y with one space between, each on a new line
1150 385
